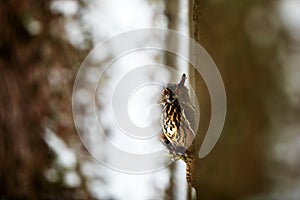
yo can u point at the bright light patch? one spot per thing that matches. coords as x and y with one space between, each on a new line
142 108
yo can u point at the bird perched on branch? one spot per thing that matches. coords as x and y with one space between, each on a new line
176 119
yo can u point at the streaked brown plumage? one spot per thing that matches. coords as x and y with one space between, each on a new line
177 116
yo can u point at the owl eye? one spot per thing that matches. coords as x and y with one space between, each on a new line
165 92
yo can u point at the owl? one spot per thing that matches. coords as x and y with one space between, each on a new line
177 120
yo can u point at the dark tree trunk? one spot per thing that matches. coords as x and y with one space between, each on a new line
26 57
235 168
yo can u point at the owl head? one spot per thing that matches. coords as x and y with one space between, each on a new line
173 92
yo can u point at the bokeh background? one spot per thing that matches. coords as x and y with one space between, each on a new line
255 44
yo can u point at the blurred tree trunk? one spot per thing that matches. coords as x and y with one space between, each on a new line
24 104
171 12
28 49
235 168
